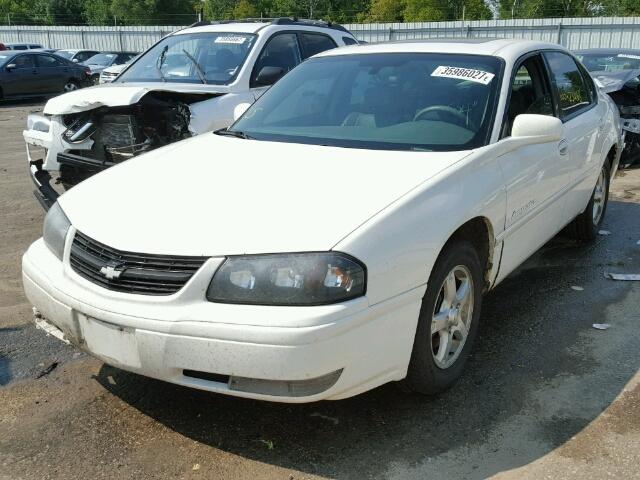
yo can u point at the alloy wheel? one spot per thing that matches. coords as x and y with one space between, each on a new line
599 197
452 317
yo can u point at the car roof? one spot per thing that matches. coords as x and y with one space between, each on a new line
606 51
500 47
237 27
253 25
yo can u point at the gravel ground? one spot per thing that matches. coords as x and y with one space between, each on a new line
545 395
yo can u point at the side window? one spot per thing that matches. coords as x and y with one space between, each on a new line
313 43
83 56
529 93
48 61
20 47
569 83
24 61
349 41
281 51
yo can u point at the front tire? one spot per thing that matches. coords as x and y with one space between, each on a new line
448 322
587 224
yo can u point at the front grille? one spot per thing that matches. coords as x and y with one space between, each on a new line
139 273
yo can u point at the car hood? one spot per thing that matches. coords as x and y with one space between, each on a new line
216 196
613 81
119 95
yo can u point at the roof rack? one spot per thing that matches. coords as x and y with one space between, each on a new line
277 21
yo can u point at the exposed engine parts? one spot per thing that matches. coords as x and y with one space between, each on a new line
120 133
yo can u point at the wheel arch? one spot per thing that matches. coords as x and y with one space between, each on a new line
480 233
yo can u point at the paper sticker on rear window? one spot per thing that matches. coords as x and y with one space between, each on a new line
478 76
628 55
231 39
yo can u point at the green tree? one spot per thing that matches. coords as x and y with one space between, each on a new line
386 11
245 9
98 12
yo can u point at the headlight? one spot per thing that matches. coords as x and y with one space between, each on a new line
288 279
56 226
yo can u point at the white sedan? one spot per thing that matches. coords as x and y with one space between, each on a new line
341 234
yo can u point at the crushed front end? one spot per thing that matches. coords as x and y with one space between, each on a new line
80 144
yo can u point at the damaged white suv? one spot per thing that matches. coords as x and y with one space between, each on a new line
192 81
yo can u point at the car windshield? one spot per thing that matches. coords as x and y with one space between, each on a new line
209 57
65 54
395 101
102 59
611 62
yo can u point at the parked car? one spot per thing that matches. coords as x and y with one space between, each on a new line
77 56
23 46
103 60
108 75
37 74
190 82
341 234
617 71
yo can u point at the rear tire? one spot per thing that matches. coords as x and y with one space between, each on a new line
448 321
71 86
586 225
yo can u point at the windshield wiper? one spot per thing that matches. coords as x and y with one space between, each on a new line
197 65
233 133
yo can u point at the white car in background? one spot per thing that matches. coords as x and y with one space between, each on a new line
190 82
341 234
108 75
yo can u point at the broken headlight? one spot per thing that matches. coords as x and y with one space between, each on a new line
288 279
56 226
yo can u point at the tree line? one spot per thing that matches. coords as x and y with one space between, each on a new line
177 12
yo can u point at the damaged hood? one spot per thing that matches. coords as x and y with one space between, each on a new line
613 81
120 95
216 196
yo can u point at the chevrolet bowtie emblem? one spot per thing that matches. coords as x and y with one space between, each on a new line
111 272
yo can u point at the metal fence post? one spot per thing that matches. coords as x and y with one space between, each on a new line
120 40
82 38
559 37
390 34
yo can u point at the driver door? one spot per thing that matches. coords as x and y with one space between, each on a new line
534 174
283 51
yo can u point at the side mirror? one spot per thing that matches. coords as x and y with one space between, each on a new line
11 66
75 60
269 75
542 128
239 110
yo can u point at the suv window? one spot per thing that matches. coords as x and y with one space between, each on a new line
529 93
281 51
19 47
571 87
349 41
313 43
48 61
24 61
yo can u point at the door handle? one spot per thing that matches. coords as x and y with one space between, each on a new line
563 147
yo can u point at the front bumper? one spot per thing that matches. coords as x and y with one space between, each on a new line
247 351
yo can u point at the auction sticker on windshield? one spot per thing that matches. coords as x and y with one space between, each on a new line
232 40
459 73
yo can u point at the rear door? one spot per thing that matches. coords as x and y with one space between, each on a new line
24 79
314 43
54 73
584 120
